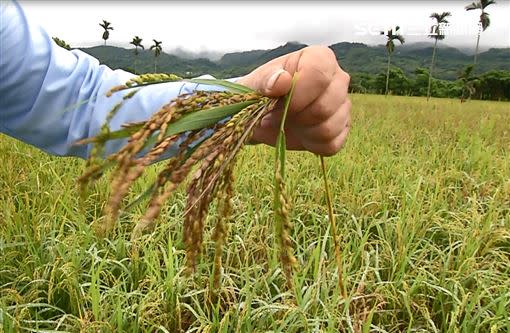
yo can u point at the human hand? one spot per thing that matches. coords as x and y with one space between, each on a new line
319 115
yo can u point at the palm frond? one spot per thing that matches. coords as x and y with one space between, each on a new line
399 37
443 17
473 6
106 25
485 20
435 16
392 35
487 3
156 47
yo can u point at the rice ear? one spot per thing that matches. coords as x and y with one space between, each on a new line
231 116
281 207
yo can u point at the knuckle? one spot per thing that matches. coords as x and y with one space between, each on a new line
337 144
343 76
327 134
323 136
329 53
348 104
323 50
322 79
347 77
324 62
330 149
334 145
322 111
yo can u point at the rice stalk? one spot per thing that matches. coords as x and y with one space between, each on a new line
208 129
192 118
331 215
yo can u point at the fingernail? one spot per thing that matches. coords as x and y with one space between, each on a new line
273 78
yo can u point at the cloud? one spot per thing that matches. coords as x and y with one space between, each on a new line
235 26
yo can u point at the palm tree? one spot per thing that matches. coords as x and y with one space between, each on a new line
438 34
484 19
157 51
390 47
106 26
137 42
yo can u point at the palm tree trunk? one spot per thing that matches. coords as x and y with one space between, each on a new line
136 59
476 50
155 65
431 69
388 74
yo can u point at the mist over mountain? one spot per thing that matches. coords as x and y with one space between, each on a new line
353 57
187 54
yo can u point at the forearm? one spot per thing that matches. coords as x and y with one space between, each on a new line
51 97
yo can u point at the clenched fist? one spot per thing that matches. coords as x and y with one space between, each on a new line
319 113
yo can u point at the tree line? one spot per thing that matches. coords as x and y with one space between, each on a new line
464 87
490 85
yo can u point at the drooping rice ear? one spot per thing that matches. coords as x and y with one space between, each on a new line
221 228
283 224
194 114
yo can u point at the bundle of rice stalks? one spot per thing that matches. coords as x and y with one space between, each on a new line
209 129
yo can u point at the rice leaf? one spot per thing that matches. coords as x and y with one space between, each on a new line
139 198
196 121
205 118
281 144
231 86
118 134
201 119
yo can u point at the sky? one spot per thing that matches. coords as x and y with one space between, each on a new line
228 26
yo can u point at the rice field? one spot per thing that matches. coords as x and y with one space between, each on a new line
422 201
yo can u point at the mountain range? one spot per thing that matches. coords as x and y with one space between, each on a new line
353 57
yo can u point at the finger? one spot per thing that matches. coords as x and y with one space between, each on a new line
270 80
330 128
326 105
268 131
322 139
330 148
314 76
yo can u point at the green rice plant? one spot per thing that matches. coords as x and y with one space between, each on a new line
421 196
210 129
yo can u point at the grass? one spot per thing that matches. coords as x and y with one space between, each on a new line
422 201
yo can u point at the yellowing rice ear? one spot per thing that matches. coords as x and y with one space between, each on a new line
215 154
281 207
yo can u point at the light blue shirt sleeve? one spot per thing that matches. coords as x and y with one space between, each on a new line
42 86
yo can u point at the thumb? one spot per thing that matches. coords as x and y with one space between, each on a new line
269 80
